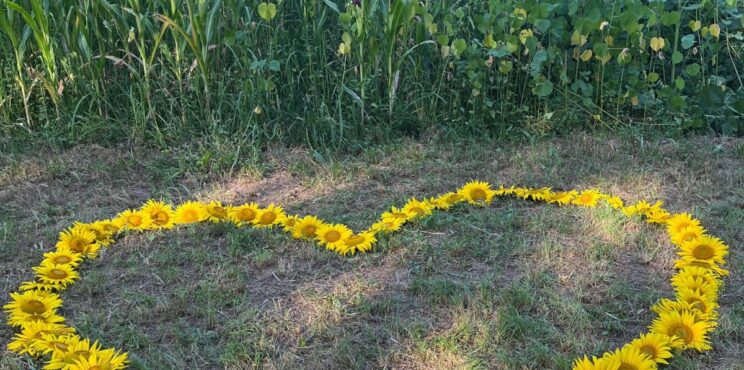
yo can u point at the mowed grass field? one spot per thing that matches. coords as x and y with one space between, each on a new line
516 285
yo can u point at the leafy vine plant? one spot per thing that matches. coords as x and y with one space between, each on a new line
682 323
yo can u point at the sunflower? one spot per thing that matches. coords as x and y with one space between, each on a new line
361 242
268 216
62 256
75 350
418 208
534 194
104 231
696 274
398 213
631 358
288 222
217 212
53 343
32 305
687 234
583 364
604 363
477 192
638 208
679 222
23 342
615 202
705 248
705 304
161 214
683 325
332 236
306 227
190 212
447 200
59 276
243 214
133 220
563 197
587 198
79 241
108 359
655 346
657 215
710 266
705 285
387 225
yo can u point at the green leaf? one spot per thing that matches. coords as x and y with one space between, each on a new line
543 87
459 46
267 11
332 5
540 57
676 57
688 41
653 77
542 25
679 83
693 69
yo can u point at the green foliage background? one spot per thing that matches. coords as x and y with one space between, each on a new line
328 74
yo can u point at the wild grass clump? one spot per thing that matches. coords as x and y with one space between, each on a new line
326 73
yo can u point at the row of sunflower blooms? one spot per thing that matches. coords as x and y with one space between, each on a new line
682 323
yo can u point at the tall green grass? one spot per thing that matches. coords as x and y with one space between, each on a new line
330 74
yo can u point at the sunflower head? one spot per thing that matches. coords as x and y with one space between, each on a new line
24 341
685 326
447 200
76 349
588 198
361 242
288 222
216 211
190 212
710 266
387 225
136 220
32 306
416 208
306 227
654 345
477 193
332 236
269 216
678 222
243 214
563 197
62 256
108 359
615 202
631 358
161 214
59 276
79 240
706 249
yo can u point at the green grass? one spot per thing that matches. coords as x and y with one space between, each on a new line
512 286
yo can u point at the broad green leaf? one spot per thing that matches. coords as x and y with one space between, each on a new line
543 87
687 41
692 69
676 57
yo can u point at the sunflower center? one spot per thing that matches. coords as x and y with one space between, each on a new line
332 236
77 244
399 215
60 346
82 353
57 274
246 214
134 220
161 218
33 307
217 211
682 225
627 366
698 304
703 252
309 231
418 210
690 235
354 240
478 194
61 260
190 215
268 218
681 331
586 198
95 367
650 350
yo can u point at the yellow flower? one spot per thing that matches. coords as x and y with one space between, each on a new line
524 35
705 304
563 197
684 326
191 212
289 222
586 55
59 276
700 276
417 208
32 305
23 342
332 236
53 343
710 266
133 220
398 213
447 200
103 230
705 248
62 256
79 241
687 234
307 227
477 193
268 216
614 202
216 211
387 225
108 359
161 214
81 348
630 357
243 214
655 346
361 242
679 222
587 198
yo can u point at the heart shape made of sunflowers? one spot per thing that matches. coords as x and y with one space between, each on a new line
681 324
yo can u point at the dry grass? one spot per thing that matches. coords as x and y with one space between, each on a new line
514 286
